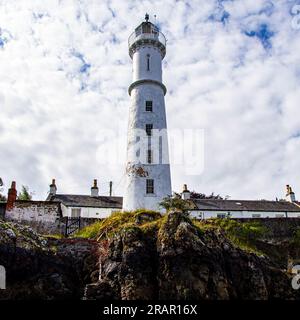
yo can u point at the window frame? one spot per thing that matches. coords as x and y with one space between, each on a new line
149 106
149 156
148 62
148 129
149 186
256 215
75 212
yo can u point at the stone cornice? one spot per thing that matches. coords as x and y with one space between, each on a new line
146 42
139 82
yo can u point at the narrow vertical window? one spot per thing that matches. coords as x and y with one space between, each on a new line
149 127
149 186
149 105
149 156
148 62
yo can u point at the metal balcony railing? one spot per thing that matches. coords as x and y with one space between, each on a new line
136 36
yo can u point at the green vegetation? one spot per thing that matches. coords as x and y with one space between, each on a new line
54 236
174 203
296 237
242 234
4 225
25 194
118 221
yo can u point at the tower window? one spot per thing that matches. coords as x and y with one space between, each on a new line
148 62
149 186
149 128
149 106
149 156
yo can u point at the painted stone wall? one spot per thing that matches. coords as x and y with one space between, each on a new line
89 212
205 214
44 217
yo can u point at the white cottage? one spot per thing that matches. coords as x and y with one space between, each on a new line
85 206
239 209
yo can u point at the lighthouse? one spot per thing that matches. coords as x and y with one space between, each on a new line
148 178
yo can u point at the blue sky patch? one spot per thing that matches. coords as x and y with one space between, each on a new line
85 66
220 15
263 33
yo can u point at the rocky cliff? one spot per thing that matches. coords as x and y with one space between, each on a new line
43 268
180 261
167 258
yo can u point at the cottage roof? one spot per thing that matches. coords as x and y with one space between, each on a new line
72 200
245 205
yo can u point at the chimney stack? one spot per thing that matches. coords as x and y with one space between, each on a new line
110 188
185 195
95 189
53 188
290 195
12 196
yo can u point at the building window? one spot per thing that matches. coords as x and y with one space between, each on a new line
256 215
221 215
149 156
148 62
149 105
149 186
149 128
279 215
146 28
75 213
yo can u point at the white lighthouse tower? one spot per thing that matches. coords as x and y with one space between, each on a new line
148 178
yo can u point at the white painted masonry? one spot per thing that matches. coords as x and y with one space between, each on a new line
147 49
87 212
207 214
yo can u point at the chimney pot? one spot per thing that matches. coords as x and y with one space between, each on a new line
95 189
53 188
290 195
11 197
185 193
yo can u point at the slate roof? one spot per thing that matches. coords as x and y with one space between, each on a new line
72 200
245 205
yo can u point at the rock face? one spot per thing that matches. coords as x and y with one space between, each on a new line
182 262
40 268
172 259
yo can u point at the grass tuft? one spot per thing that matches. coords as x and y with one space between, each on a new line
116 222
242 234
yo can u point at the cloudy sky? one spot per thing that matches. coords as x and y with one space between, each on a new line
232 69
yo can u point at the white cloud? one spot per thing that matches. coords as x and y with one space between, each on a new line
232 68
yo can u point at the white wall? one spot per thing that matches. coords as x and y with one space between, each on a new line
31 211
205 214
137 169
44 217
86 212
140 64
